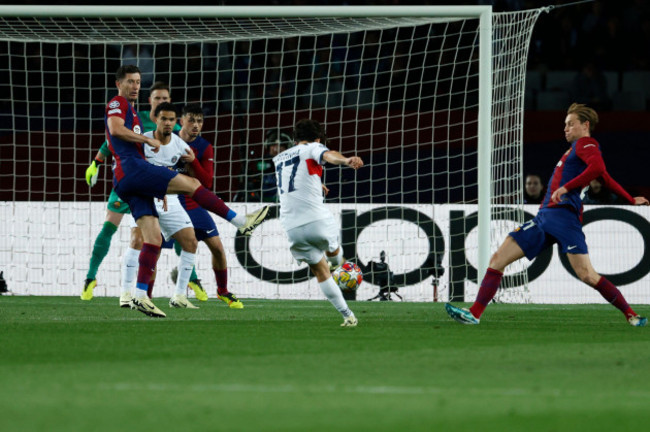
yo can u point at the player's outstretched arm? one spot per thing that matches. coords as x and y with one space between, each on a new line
336 158
641 201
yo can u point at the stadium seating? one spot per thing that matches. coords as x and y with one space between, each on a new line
553 100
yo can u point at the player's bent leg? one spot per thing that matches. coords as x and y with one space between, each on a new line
147 260
136 240
333 292
189 244
583 268
211 202
129 274
149 229
506 254
335 259
100 250
182 184
114 217
220 268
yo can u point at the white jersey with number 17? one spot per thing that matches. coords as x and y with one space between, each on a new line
298 173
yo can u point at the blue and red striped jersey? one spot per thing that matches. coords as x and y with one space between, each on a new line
202 167
122 150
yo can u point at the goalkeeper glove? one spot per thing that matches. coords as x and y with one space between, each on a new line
92 172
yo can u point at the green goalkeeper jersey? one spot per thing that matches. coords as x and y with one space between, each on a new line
147 126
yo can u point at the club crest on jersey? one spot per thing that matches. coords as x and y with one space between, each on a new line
174 159
137 129
114 104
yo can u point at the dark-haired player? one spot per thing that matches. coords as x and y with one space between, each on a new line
116 208
137 182
202 168
310 227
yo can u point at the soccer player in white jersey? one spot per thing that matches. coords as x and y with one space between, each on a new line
174 221
313 234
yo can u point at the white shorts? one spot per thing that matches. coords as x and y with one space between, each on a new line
171 221
310 241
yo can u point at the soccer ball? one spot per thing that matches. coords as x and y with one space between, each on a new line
348 276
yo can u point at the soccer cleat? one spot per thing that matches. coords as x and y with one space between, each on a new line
253 220
350 321
199 292
637 321
181 302
461 315
146 306
125 300
232 301
89 286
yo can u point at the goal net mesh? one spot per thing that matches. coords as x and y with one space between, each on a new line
400 92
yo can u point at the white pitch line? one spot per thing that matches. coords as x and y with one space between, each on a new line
359 389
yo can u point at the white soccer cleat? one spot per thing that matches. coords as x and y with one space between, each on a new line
146 306
181 302
350 321
125 300
253 220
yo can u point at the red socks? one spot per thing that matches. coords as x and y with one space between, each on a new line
222 281
211 202
489 287
610 293
147 265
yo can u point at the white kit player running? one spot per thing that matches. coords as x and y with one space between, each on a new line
312 231
174 221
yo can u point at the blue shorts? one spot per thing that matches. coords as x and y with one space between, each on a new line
559 225
141 184
167 244
204 226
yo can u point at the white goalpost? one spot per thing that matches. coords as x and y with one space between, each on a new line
431 97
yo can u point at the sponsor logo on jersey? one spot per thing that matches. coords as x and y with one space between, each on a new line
114 104
115 111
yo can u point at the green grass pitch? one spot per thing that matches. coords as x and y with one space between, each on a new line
68 365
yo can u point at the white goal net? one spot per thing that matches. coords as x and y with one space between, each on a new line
432 100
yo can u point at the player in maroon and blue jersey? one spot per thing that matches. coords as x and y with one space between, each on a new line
559 220
202 168
137 182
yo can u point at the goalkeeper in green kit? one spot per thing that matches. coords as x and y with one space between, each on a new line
116 208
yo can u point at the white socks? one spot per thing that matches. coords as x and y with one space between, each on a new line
335 260
185 267
129 269
238 220
334 295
